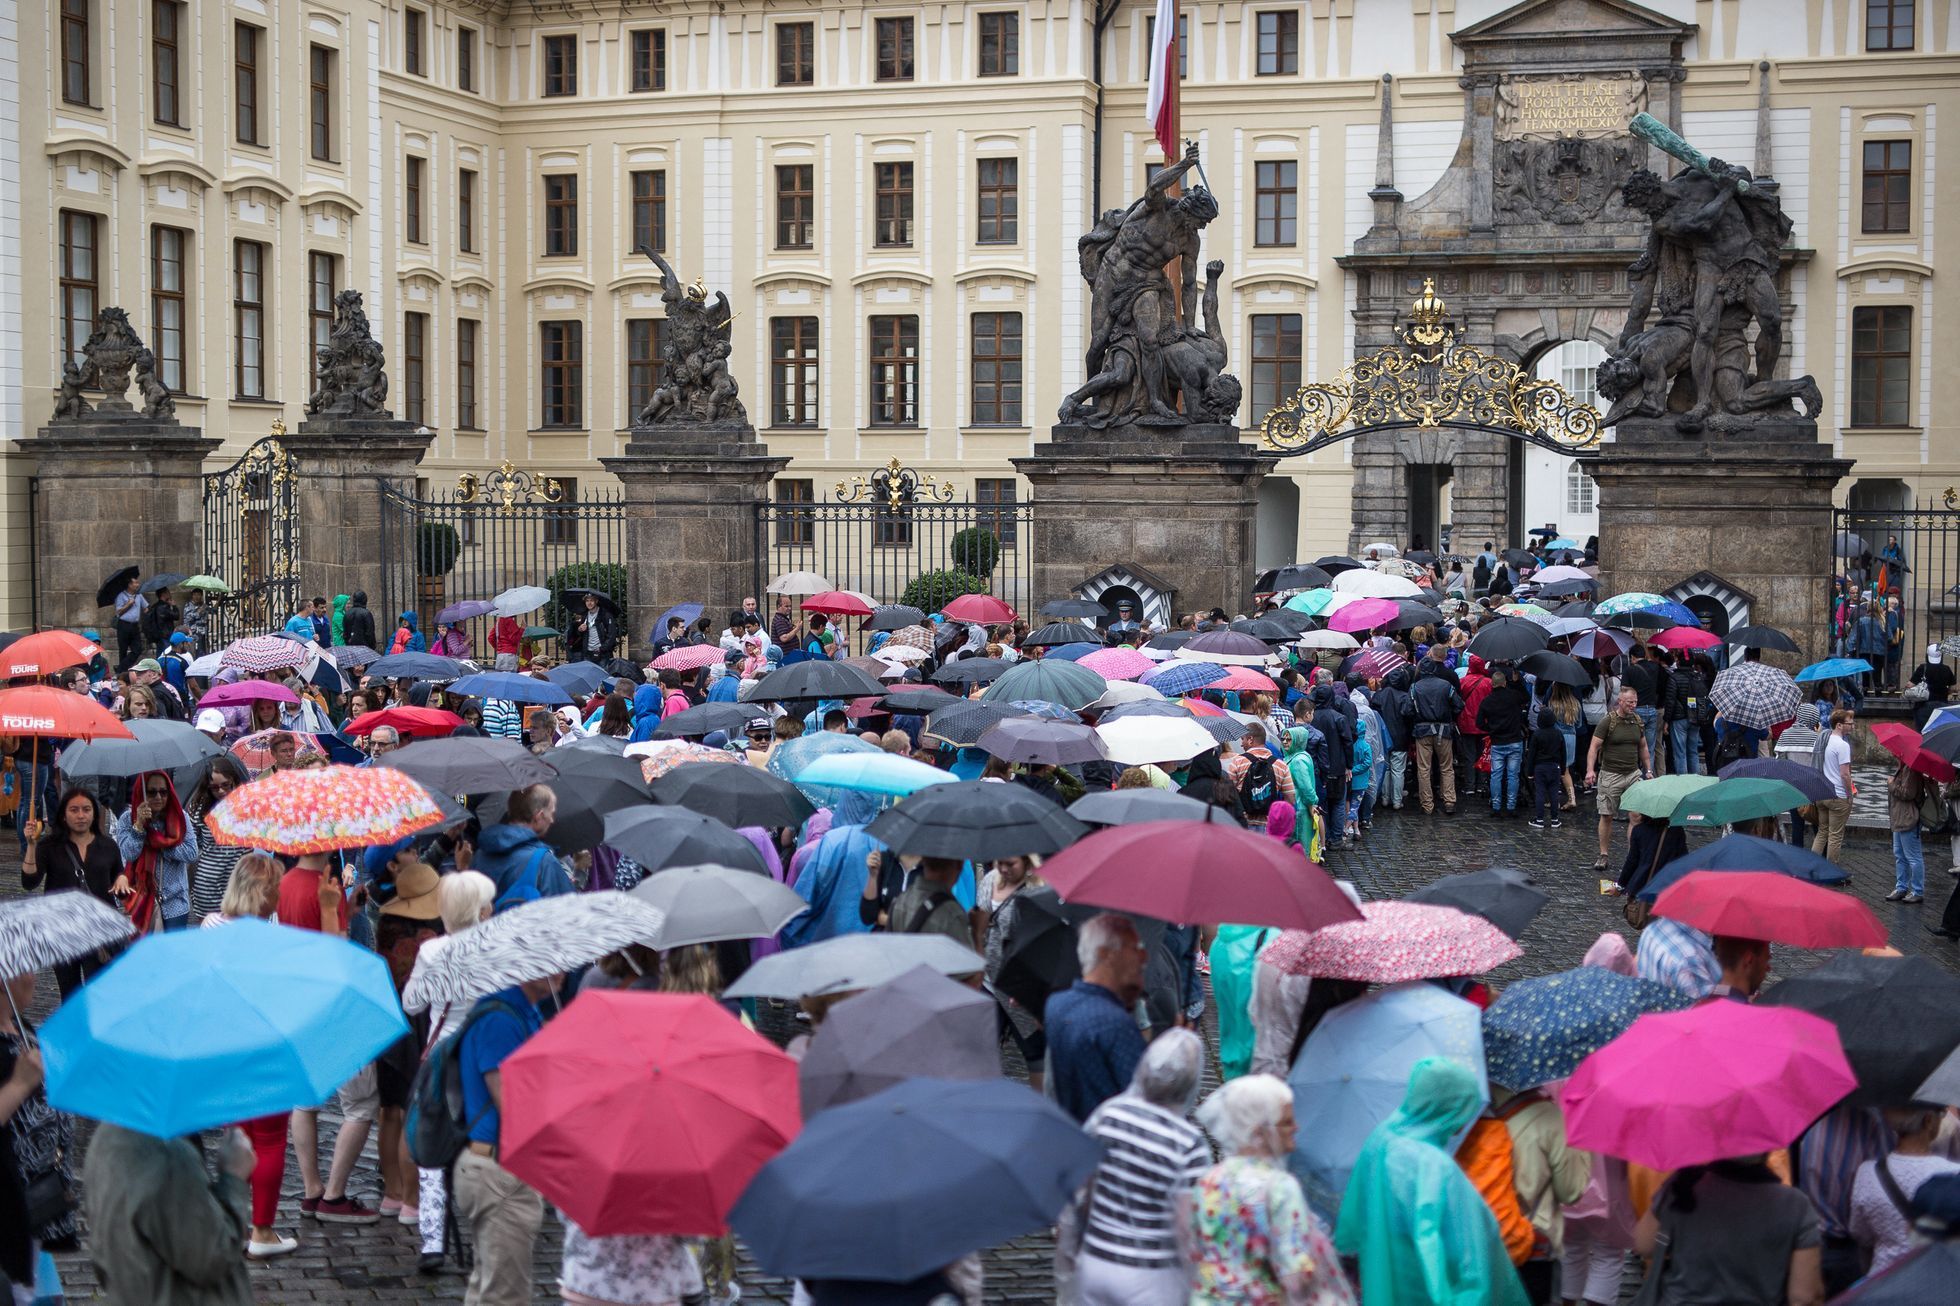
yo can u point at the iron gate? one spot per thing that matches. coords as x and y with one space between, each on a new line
251 541
489 532
1912 554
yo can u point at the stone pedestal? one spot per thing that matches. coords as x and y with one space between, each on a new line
1181 501
1753 509
343 462
691 524
114 488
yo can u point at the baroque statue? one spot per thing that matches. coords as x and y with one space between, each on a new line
1144 351
157 402
1709 272
696 386
108 356
68 402
351 382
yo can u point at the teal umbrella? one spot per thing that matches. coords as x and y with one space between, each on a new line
793 755
1071 684
872 773
1730 802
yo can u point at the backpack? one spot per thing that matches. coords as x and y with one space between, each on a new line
1485 1156
1258 786
1933 811
522 892
436 1129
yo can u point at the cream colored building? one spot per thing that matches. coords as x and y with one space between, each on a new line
890 194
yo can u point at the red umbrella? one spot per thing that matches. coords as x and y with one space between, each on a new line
1766 905
1396 941
1199 873
318 809
47 652
1364 614
49 713
1243 679
247 691
1688 638
422 722
982 608
1379 662
1903 742
1199 707
689 657
646 1113
838 603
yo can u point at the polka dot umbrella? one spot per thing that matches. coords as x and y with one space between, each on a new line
1541 1028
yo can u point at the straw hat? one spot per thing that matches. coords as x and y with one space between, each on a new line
415 894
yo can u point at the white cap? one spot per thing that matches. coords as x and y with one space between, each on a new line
211 719
1933 654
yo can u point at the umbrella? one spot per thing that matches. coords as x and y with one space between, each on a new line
705 719
706 904
1558 574
199 1028
1268 631
467 610
210 583
1124 691
971 671
798 583
322 808
1636 620
1768 637
48 651
352 657
645 1113
839 603
1334 564
1506 639
1070 609
1540 1029
1353 1072
1563 588
941 1168
1551 665
1806 780
1313 603
261 653
984 609
791 757
1142 739
1631 601
1745 852
1364 583
415 666
976 821
1833 669
255 750
690 657
1754 695
1056 633
577 595
659 837
48 929
1068 683
1379 663
1338 641
813 679
1530 612
919 1024
894 616
590 785
520 600
964 723
1395 941
203 668
1504 897
1903 742
849 963
920 699
1409 613
1038 955
1659 796
1365 614
1179 676
581 678
512 688
114 584
1848 545
153 746
44 712
1204 873
1731 802
1132 806
1897 1017
1602 644
1042 743
1719 1080
469 766
1943 1085
735 796
1228 648
416 721
545 936
1686 639
1766 905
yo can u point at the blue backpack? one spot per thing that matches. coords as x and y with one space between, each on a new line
436 1128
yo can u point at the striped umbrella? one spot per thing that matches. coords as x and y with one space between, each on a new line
258 653
1755 695
1379 662
47 929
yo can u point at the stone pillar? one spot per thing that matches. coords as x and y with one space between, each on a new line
115 487
1180 501
691 522
343 463
1754 510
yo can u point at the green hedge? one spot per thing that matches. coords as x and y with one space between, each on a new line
605 577
437 546
976 550
933 590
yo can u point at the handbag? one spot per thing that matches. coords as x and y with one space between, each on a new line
1918 693
47 1199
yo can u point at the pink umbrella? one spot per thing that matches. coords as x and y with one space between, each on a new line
1720 1080
263 653
1243 679
1116 663
1364 614
1397 941
1686 638
689 657
1379 662
241 692
1602 643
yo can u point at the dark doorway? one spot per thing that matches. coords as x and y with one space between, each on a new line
1426 519
1713 614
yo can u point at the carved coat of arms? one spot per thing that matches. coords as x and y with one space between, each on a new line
1564 180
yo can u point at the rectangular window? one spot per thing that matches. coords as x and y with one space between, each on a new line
796 54
1000 45
248 317
561 65
466 59
649 209
1276 204
997 496
997 369
415 367
642 363
1183 41
466 210
167 62
1888 186
894 49
1881 366
792 371
1275 361
1279 42
562 527
322 283
246 41
412 200
466 417
796 525
650 59
414 26
80 282
1000 201
319 62
561 214
1888 24
894 193
74 51
894 371
562 353
1578 490
796 212
169 249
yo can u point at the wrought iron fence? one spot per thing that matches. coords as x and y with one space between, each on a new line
1912 554
251 542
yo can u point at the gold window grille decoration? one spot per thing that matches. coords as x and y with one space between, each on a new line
897 485
506 484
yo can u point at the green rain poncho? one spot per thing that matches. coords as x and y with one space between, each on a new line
1411 1217
1234 959
339 636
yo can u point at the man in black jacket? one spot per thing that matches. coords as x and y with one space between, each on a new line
1686 704
357 623
1502 717
1434 703
1647 678
1397 712
1330 721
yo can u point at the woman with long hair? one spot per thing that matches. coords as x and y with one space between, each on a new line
215 861
616 719
73 853
1564 707
158 848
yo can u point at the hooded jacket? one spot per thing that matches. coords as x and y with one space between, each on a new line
1330 721
1473 686
1396 708
1205 780
1501 715
337 624
521 863
1435 701
357 624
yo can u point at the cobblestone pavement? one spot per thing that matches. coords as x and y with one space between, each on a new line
338 1263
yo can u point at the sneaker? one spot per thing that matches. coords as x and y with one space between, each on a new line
1557 824
266 1251
1535 823
410 1215
1913 899
431 1263
345 1210
1897 895
390 1206
310 1207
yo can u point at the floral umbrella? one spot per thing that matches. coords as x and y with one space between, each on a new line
255 750
1116 663
1396 941
1633 601
652 768
1541 1028
322 808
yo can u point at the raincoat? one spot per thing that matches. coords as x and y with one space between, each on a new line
408 636
1413 1220
832 880
339 625
1234 960
646 713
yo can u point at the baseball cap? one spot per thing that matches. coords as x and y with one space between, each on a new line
210 719
149 664
1933 654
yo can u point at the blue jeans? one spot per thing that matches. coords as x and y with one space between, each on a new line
171 924
1505 762
1908 861
1650 720
1686 737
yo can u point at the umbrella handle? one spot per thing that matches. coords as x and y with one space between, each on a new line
20 1021
33 775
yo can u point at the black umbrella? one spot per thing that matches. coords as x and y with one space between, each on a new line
1639 621
1847 545
964 722
1898 1017
813 679
1504 897
1944 741
163 580
920 699
1296 622
106 592
1171 639
1581 609
1768 637
1038 953
1547 531
976 820
1409 614
1421 557
971 671
574 599
1042 742
1557 667
1263 628
590 785
624 667
1129 806
470 766
705 719
1069 609
659 837
1294 576
1506 639
1057 633
1518 558
894 616
1334 565
734 795
1560 589
1806 780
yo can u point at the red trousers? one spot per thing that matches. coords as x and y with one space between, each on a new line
268 1135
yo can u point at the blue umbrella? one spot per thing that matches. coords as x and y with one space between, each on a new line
1945 715
687 612
1832 669
1540 1029
793 755
582 678
1354 1071
415 666
872 773
1562 542
512 688
200 1028
939 1168
1745 852
1071 652
1042 708
1175 678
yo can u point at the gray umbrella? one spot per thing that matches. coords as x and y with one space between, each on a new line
658 837
51 928
851 962
1043 742
1129 806
705 719
548 936
917 1024
964 722
705 904
158 746
470 766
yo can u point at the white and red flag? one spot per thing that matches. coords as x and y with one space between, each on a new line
1162 103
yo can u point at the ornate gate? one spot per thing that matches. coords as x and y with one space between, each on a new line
251 541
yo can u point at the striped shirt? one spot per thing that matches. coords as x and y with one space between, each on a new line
212 874
1152 1156
1843 1139
502 719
